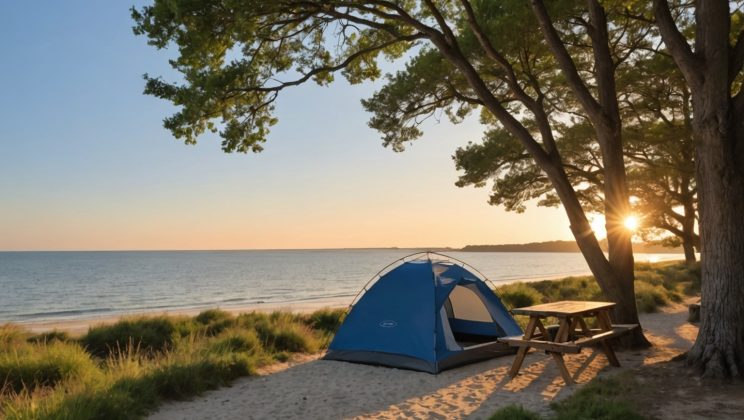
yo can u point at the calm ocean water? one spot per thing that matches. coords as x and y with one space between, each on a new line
38 286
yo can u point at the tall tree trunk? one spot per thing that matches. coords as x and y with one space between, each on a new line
719 348
718 351
619 246
689 250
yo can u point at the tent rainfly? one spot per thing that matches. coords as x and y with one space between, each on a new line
424 314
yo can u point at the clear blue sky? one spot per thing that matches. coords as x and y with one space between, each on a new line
86 164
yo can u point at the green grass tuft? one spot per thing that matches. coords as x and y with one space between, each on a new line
33 366
601 399
650 297
518 295
214 321
327 319
237 341
514 412
151 335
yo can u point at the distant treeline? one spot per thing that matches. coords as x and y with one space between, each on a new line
564 246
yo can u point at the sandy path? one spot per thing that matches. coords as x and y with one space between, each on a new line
319 389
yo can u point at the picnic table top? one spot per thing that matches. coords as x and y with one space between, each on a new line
563 308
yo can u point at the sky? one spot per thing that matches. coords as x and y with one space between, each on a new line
85 163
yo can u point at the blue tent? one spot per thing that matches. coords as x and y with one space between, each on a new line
426 315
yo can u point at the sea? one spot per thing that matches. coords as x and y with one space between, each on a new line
61 286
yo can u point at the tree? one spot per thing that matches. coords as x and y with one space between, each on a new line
275 45
658 151
711 64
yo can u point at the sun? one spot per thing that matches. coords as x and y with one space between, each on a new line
631 223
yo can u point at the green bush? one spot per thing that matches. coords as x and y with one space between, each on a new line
28 367
179 380
518 295
327 319
214 321
284 336
238 341
150 335
514 412
649 297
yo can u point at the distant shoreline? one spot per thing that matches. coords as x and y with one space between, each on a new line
565 247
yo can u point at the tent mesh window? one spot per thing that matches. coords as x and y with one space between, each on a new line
466 305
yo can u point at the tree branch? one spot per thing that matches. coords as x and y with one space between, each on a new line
687 61
588 102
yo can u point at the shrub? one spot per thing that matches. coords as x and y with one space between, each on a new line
649 298
148 334
28 367
517 295
326 319
215 321
289 337
514 412
180 379
237 341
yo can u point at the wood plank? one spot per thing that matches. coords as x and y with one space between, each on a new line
616 331
541 344
563 308
562 333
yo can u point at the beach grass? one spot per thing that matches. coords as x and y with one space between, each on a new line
125 370
656 285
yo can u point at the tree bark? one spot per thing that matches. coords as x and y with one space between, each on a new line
718 351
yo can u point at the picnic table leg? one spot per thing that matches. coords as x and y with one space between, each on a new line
606 325
562 367
522 353
566 324
562 335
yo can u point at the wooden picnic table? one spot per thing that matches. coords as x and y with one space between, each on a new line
573 332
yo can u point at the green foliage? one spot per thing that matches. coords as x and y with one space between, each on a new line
283 335
237 341
518 295
514 412
215 321
155 359
327 319
32 366
656 285
650 297
151 335
601 399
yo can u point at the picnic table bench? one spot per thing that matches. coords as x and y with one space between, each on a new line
572 335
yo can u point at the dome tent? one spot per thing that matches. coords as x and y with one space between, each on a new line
427 314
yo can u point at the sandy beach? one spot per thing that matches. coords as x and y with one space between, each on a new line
318 389
78 326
